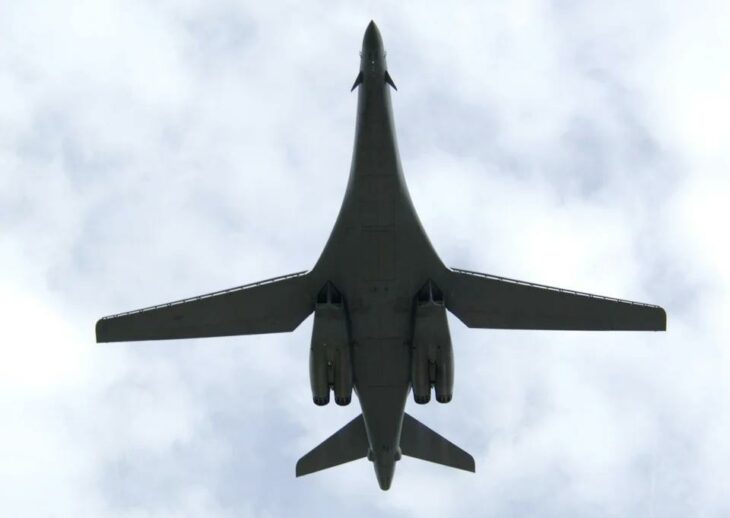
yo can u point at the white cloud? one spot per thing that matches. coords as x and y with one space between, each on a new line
154 152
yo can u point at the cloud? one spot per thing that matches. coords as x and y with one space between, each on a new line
151 152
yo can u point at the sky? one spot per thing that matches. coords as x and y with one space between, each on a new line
151 151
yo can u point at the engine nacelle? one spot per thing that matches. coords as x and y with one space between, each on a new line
432 357
330 358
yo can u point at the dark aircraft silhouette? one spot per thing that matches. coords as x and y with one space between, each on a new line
379 293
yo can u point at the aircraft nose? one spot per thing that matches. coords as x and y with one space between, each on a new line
372 41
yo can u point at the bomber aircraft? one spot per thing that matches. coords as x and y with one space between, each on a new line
379 293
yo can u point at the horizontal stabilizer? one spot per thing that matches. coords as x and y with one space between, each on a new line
420 442
348 444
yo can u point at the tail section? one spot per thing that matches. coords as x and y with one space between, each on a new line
351 443
348 444
420 442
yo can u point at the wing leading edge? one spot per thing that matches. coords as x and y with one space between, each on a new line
487 301
272 306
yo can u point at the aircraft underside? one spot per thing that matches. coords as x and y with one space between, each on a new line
380 294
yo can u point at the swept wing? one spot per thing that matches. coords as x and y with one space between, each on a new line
273 306
487 301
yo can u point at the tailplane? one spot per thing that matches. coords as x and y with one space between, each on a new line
347 444
420 442
351 443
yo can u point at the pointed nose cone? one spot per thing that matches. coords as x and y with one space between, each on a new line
372 41
384 473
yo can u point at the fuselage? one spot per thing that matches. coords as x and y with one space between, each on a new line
378 256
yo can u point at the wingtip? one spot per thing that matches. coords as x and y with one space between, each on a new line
298 469
663 320
99 330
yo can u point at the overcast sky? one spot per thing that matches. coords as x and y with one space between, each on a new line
153 151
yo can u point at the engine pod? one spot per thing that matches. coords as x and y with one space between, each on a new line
432 357
330 358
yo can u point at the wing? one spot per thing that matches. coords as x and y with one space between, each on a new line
272 306
487 301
